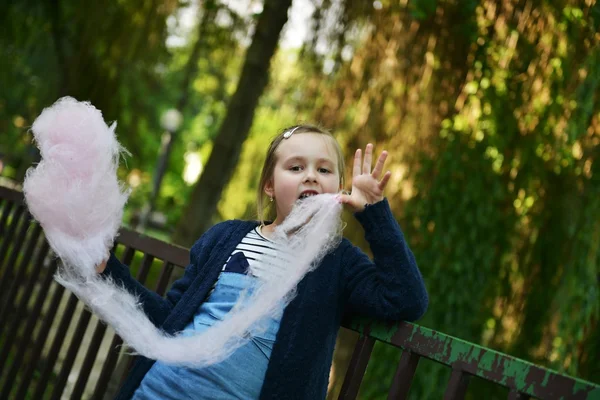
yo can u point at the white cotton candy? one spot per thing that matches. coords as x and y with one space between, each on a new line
74 192
75 195
266 300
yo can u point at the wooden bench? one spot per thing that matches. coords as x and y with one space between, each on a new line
51 346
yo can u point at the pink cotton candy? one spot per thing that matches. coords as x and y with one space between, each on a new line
75 135
74 192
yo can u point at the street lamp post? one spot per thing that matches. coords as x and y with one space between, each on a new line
170 122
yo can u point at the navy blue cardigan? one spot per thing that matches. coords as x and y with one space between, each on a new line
347 281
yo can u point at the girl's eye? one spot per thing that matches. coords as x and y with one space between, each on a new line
295 168
324 170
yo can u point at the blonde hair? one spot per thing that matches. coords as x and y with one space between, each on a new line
271 159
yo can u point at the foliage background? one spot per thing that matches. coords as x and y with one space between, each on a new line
488 108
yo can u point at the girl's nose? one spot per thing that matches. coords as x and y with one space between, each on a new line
310 175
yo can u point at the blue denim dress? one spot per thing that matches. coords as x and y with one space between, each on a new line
240 376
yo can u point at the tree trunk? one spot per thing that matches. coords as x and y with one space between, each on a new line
200 211
191 68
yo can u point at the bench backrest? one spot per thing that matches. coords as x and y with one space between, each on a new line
51 345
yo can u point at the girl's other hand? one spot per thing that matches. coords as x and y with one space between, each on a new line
100 267
366 186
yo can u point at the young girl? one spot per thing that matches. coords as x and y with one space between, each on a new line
292 358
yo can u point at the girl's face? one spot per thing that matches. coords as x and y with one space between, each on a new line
306 165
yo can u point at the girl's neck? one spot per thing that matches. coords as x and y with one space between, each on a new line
267 230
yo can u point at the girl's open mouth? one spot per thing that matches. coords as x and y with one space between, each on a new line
307 193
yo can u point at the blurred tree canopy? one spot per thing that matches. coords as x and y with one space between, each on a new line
490 111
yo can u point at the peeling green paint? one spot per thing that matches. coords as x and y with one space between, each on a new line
479 361
546 377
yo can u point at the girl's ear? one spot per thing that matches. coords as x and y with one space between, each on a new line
269 188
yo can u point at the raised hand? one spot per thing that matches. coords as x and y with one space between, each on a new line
366 186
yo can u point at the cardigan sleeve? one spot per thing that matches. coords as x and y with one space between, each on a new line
391 286
156 307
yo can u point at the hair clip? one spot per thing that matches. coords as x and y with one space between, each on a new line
289 133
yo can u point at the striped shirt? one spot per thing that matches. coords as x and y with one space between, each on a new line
259 252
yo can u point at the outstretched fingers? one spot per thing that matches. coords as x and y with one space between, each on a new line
357 160
368 159
384 181
363 166
379 165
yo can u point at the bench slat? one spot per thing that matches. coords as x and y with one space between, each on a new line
17 283
74 346
8 239
457 386
356 369
114 349
142 274
42 336
88 362
22 221
108 368
159 249
33 316
164 277
128 255
61 332
6 209
404 375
